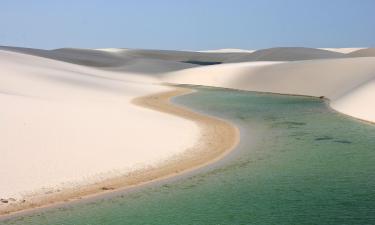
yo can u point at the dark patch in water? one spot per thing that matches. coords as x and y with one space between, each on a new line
293 123
343 141
289 124
297 123
241 117
270 118
299 134
324 138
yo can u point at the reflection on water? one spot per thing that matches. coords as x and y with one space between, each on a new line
298 163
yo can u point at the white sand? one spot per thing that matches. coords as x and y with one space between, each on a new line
358 102
342 50
348 82
112 50
61 122
228 50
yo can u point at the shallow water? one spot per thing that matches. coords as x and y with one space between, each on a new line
298 163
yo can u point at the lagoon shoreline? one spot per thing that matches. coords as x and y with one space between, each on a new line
217 139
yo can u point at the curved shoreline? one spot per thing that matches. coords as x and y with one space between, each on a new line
217 139
323 98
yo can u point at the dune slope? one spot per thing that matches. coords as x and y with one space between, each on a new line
168 60
113 59
358 102
287 54
342 50
366 52
62 124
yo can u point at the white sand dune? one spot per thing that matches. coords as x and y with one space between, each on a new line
112 50
228 50
358 102
64 123
223 75
87 57
124 58
109 59
342 50
151 67
287 54
348 82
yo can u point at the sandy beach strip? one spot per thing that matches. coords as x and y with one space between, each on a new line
217 139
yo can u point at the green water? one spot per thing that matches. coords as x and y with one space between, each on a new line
298 163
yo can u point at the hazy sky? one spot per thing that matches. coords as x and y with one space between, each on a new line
187 24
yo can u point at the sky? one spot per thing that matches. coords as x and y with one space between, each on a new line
187 24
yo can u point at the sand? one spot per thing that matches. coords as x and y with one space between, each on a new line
217 138
342 50
365 52
287 54
228 50
119 57
65 126
358 102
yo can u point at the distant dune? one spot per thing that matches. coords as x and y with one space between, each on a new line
336 79
111 58
112 50
288 54
341 50
151 66
129 60
119 57
366 52
87 57
228 50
